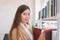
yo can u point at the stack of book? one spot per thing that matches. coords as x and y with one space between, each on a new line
49 10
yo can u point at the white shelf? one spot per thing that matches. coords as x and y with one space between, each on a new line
54 18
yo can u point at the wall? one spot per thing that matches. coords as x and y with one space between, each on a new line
37 8
58 12
7 13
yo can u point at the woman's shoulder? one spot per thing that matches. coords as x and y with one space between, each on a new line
14 30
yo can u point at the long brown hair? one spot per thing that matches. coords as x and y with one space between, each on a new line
17 18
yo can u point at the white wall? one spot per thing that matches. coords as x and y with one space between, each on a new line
7 12
58 11
37 8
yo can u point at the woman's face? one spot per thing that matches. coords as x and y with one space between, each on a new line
25 16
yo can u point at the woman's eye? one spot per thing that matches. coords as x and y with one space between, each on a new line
28 13
24 14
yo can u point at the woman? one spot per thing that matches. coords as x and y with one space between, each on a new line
20 29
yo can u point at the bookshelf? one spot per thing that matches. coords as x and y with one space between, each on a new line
54 18
49 13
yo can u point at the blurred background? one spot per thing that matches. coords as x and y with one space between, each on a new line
44 14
